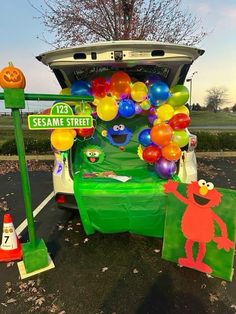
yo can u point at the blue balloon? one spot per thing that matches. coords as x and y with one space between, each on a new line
158 91
81 88
144 137
126 108
153 102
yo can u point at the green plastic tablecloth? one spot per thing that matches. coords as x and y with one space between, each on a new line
109 206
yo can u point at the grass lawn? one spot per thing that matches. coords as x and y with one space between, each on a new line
8 134
199 118
205 118
7 121
7 130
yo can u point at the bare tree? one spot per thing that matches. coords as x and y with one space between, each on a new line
81 21
216 97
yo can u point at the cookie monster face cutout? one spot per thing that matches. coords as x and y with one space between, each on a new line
119 135
93 154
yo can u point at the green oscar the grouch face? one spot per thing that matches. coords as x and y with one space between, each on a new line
93 154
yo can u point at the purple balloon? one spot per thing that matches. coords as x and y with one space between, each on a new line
138 108
152 111
165 168
151 118
151 78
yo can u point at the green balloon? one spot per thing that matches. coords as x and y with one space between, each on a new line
180 137
83 108
179 95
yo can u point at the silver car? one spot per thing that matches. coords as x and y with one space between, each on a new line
137 58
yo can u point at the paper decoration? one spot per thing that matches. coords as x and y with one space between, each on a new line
196 235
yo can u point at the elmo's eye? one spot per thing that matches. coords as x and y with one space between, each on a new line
210 186
202 183
116 127
121 127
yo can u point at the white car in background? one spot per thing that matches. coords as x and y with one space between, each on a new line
137 58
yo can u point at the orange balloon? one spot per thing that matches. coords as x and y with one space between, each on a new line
161 134
171 152
120 85
73 132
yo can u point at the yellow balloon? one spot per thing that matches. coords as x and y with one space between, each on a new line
157 121
72 103
96 101
139 91
107 108
181 109
65 91
62 139
165 112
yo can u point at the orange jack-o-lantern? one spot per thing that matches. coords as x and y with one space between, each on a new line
11 77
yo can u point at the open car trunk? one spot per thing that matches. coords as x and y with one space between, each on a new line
108 205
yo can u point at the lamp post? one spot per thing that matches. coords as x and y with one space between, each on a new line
190 80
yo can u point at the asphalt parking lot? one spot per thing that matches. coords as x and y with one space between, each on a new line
110 274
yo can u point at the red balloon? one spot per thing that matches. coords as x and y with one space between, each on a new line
120 85
100 87
151 154
179 121
161 134
85 132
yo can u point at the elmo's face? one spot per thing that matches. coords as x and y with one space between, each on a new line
203 194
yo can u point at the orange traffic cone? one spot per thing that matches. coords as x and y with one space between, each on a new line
10 249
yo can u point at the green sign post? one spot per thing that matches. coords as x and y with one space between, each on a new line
35 255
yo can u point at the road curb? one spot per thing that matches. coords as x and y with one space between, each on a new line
216 154
51 157
28 157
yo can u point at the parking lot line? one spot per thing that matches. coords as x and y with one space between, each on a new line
37 210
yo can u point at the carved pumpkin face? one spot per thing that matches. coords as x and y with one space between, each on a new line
11 77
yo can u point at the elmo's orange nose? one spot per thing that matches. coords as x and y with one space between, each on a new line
203 190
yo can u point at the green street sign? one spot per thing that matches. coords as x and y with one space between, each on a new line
47 122
61 109
61 117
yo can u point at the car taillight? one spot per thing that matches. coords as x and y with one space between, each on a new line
60 198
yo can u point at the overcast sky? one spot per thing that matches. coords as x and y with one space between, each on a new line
216 68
